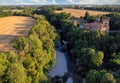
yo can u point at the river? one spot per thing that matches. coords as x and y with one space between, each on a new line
62 65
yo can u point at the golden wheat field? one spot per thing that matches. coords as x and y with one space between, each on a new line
78 13
13 27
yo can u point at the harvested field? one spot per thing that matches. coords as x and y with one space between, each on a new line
77 13
13 27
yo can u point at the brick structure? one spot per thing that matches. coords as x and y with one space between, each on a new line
98 24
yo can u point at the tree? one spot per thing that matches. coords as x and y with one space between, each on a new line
97 59
92 58
3 64
87 15
93 76
114 21
12 70
15 73
108 78
114 62
102 76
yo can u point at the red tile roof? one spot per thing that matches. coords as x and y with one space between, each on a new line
93 25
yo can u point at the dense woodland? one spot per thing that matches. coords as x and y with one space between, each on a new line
34 57
99 53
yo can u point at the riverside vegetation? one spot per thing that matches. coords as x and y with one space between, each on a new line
99 52
34 57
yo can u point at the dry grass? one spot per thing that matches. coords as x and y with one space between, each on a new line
13 27
78 13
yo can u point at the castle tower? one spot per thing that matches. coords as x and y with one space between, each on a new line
105 22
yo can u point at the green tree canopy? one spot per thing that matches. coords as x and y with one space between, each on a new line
102 76
91 58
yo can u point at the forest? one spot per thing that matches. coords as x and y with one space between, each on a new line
99 53
34 56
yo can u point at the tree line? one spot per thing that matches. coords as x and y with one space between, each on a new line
23 11
108 8
34 57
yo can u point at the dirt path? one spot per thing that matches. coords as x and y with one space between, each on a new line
13 27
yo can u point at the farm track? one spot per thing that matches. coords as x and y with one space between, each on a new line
13 27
